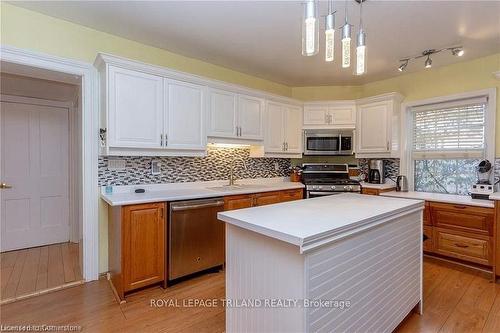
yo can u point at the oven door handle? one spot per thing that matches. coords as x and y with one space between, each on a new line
177 208
322 193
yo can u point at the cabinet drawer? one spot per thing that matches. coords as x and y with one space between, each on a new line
370 191
428 243
266 198
463 218
462 246
427 214
238 202
291 195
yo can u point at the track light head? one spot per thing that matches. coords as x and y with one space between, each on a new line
403 65
428 62
457 51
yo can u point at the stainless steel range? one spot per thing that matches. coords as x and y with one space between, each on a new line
327 178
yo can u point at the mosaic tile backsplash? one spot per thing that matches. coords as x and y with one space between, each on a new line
391 167
215 166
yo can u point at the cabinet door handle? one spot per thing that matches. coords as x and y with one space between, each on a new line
161 140
166 140
286 146
463 246
459 207
283 146
387 145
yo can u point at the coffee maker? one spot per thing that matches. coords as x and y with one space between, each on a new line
376 172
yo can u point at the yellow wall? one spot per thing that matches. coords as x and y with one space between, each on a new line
33 31
30 30
324 93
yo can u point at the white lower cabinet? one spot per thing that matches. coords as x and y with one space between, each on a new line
184 116
283 129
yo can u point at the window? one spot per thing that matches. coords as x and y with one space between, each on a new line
448 141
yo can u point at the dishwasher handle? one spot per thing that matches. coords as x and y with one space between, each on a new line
180 207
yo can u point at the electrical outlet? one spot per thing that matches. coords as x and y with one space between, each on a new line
276 166
116 164
155 167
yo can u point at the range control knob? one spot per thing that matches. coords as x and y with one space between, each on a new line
315 187
333 187
348 188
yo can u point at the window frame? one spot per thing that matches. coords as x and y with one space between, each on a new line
406 162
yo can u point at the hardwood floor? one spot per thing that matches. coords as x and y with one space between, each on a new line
456 299
35 270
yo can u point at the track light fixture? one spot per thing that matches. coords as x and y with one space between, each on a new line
457 51
428 62
402 67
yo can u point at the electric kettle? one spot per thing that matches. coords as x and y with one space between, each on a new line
402 184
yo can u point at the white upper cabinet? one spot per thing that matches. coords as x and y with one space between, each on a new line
235 116
330 114
283 129
293 130
184 120
377 126
135 109
275 128
222 113
250 117
315 114
342 113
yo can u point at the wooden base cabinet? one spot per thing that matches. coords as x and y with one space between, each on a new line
460 231
375 191
261 199
136 246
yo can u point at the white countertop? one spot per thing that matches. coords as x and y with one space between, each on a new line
125 195
495 196
385 186
318 221
439 197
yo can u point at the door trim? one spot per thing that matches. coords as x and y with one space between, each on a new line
89 192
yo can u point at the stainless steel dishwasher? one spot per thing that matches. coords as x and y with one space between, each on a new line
195 237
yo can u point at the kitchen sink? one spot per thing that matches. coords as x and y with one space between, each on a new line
234 187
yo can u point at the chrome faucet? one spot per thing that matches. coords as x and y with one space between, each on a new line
231 172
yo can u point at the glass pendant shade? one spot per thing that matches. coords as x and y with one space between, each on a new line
329 38
361 53
310 29
346 46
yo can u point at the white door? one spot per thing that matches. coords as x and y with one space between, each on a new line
135 109
250 117
184 116
222 114
275 134
293 130
315 114
373 128
343 114
34 161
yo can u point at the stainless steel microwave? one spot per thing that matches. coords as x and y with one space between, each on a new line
328 142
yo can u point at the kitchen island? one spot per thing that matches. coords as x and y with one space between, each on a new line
346 262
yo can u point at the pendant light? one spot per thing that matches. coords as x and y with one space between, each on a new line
330 33
361 44
310 29
346 42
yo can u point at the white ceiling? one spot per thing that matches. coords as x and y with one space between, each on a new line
263 38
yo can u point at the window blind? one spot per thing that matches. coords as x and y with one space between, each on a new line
449 130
